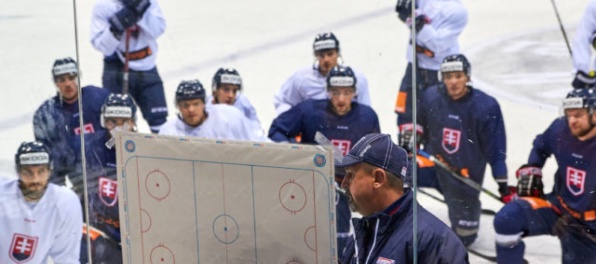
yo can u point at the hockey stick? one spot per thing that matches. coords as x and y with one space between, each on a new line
436 198
126 60
458 176
561 26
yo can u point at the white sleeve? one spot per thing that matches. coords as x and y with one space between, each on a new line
288 95
581 45
153 21
168 128
443 31
67 245
362 89
101 36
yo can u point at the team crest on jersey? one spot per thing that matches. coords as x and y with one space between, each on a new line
108 191
451 139
382 260
575 180
344 145
22 248
87 129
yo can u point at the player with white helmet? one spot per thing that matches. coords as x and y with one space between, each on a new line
226 88
569 211
126 32
40 220
56 121
310 82
464 127
217 121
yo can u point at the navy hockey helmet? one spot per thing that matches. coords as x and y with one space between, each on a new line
32 153
580 98
325 41
226 76
118 106
454 63
188 90
64 66
341 76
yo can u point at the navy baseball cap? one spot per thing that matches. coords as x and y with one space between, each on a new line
378 150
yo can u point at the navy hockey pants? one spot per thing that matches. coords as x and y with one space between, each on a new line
531 216
145 87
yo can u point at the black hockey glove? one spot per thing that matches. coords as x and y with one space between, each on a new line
403 9
594 39
406 139
508 193
420 21
122 20
529 181
583 80
138 6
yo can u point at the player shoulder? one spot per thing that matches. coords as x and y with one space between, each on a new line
63 194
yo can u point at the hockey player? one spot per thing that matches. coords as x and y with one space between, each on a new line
375 170
56 121
226 87
582 44
570 210
464 127
338 118
39 220
136 24
118 113
218 121
438 26
309 82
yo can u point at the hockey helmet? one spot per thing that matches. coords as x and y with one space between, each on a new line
580 98
325 41
455 63
188 90
32 153
64 66
118 106
226 76
341 76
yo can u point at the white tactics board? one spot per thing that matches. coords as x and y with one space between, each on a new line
187 200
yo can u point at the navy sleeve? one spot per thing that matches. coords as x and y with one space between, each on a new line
541 149
494 141
288 124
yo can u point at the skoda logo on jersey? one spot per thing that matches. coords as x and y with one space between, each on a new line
575 180
34 158
118 111
22 248
108 191
451 139
341 81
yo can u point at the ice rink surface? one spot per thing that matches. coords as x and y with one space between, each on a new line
516 49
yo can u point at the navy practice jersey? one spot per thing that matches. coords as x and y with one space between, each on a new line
56 124
310 116
575 179
467 133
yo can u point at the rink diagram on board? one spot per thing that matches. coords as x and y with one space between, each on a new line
189 201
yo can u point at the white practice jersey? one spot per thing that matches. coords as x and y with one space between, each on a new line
447 20
223 122
582 43
309 83
33 232
249 111
150 26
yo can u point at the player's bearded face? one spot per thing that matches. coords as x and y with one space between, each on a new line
68 87
33 181
579 121
192 111
456 84
327 59
226 93
341 99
